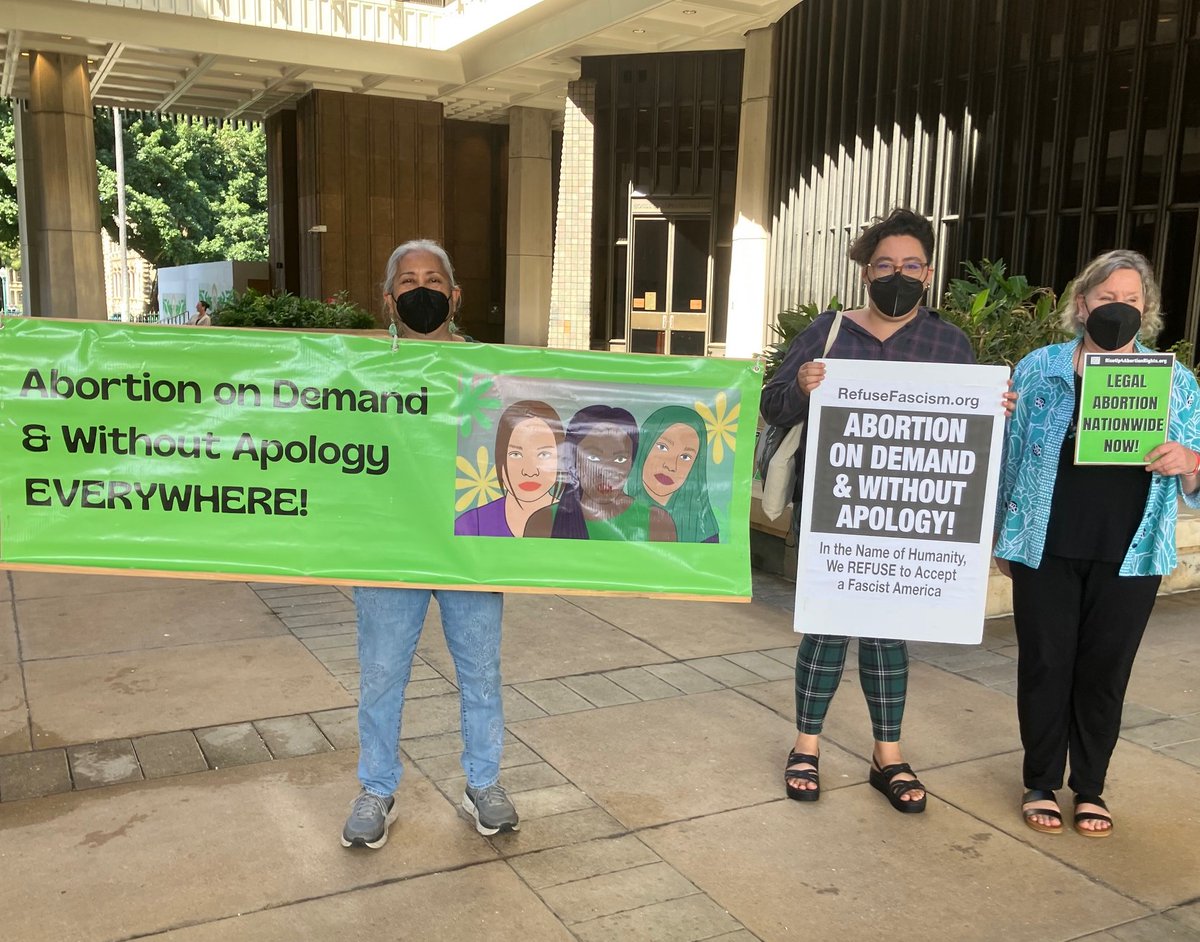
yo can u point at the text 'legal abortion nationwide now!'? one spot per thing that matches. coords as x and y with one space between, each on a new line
898 477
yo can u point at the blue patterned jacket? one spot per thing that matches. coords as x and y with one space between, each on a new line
1045 385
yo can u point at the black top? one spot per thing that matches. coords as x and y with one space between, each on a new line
1096 508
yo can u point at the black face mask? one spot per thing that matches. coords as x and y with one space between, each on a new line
1111 326
896 295
422 309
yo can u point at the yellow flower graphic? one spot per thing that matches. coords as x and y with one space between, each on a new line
478 483
721 426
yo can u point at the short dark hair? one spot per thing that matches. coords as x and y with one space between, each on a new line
898 222
205 303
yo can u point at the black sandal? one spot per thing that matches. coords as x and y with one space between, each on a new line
1041 794
804 775
1081 816
884 780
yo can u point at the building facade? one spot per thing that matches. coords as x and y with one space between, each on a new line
662 178
1037 134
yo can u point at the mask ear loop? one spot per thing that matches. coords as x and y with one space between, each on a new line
395 335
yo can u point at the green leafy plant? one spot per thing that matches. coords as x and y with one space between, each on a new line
789 324
281 309
1004 316
1185 353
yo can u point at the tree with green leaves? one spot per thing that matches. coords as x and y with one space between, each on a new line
194 192
10 232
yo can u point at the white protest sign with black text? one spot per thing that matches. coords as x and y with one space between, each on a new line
900 475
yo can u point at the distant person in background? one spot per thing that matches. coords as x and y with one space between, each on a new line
201 318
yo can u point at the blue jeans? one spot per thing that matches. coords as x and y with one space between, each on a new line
389 625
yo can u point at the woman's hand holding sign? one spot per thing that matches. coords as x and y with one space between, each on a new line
809 376
1175 460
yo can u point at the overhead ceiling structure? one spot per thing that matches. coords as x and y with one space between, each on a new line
244 59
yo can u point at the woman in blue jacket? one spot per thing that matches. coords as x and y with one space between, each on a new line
1086 545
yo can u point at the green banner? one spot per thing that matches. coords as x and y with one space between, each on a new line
332 457
1124 406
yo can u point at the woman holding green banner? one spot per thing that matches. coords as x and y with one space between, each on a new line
419 289
1086 546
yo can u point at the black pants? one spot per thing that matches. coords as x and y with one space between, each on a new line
1079 625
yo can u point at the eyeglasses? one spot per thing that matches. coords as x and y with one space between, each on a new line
885 267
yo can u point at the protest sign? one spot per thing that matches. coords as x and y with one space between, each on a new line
1124 406
337 458
899 489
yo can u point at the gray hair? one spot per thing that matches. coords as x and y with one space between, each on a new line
1098 271
416 245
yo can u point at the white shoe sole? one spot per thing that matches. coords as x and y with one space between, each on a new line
387 823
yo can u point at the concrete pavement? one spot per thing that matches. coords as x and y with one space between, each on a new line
177 758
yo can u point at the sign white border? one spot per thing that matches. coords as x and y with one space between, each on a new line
956 615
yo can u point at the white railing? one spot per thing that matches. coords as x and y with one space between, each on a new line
380 21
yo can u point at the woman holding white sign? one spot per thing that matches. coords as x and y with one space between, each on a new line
1086 545
893 255
419 290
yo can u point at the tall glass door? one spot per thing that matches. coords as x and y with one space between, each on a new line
670 283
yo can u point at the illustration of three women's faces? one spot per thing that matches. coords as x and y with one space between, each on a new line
593 481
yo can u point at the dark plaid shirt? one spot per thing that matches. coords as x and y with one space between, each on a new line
925 339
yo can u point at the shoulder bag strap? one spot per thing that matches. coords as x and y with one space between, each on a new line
833 332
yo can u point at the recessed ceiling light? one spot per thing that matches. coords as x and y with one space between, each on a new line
66 37
689 12
639 31
563 97
25 54
337 70
490 88
237 73
418 81
251 60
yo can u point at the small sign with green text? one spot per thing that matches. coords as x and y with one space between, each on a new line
1124 407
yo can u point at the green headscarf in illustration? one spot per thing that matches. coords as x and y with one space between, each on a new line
670 470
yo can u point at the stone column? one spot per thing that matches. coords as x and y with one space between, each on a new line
571 282
530 237
749 265
283 201
66 263
24 224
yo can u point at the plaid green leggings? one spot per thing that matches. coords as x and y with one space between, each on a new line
882 672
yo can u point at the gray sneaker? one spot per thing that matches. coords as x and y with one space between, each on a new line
368 823
491 808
